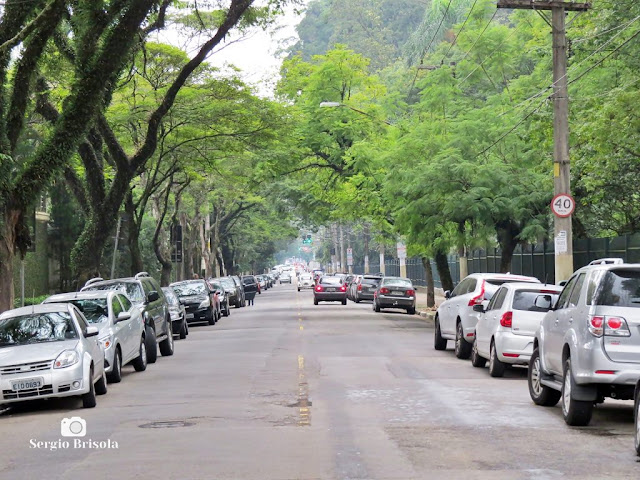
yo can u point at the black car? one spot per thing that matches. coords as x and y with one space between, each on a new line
198 301
232 291
178 314
223 296
251 286
240 301
146 294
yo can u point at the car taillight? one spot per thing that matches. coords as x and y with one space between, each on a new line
384 290
411 293
506 320
319 288
360 287
343 288
616 326
595 325
478 299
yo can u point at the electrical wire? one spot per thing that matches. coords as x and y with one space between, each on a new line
479 36
459 31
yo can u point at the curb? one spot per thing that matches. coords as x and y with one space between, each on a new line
428 315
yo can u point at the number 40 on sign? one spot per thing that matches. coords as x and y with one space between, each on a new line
563 205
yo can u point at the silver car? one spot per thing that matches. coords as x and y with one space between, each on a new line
456 319
507 327
121 330
50 351
588 345
305 280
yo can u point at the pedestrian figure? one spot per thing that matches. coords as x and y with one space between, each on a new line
250 299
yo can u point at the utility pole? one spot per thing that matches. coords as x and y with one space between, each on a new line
563 233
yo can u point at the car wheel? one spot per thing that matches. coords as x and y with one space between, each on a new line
211 318
298 289
140 363
183 329
115 376
463 348
166 346
496 367
315 301
344 302
476 359
152 346
439 342
411 310
356 299
376 307
101 385
89 398
576 413
540 394
636 412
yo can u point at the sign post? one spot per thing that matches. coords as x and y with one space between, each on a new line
402 256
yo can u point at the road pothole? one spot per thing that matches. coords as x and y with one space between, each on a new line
167 424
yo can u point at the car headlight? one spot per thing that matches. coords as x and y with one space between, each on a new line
66 359
205 303
106 341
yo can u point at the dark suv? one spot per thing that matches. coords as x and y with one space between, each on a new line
240 301
146 294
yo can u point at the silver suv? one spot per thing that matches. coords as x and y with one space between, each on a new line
456 318
588 345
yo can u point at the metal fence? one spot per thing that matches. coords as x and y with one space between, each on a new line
532 260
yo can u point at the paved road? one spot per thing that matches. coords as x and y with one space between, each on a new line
286 390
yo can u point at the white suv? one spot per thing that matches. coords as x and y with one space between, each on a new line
456 319
588 345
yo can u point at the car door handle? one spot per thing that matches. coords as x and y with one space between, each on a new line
557 321
570 321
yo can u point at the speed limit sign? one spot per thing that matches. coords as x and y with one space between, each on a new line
563 205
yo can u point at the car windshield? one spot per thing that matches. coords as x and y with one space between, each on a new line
172 299
228 283
397 282
620 288
525 300
95 310
248 280
331 280
132 289
187 289
37 328
305 276
370 281
216 286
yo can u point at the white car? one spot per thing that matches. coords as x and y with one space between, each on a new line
306 281
50 351
507 327
120 326
456 319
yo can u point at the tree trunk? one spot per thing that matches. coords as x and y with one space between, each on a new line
507 233
431 297
7 255
134 236
86 256
442 265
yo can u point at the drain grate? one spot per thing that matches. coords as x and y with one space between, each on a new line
169 424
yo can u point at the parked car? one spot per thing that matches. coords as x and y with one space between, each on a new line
330 289
352 286
241 300
455 317
251 286
365 287
285 277
305 281
201 302
223 298
262 282
120 328
50 351
636 418
507 327
588 345
395 292
179 325
146 294
231 290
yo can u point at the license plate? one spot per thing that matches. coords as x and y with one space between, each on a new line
397 293
331 289
28 384
190 316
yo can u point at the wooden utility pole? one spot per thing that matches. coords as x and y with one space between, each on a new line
563 233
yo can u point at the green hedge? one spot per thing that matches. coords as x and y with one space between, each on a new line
29 300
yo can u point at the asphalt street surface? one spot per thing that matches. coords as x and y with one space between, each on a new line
288 390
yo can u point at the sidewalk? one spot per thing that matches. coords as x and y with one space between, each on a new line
421 302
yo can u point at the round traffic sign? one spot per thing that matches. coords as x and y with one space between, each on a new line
563 205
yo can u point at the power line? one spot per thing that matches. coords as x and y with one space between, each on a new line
479 36
460 31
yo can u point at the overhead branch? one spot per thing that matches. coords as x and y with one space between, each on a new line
51 9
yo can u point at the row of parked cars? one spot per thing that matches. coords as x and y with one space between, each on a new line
580 341
73 344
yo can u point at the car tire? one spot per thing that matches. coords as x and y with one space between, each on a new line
152 346
298 289
462 348
101 385
411 310
115 376
183 329
344 302
376 307
636 417
89 398
496 367
439 342
140 362
211 318
476 360
576 413
315 301
540 394
356 299
166 346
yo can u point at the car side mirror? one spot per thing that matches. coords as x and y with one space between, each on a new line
91 332
153 296
479 308
544 302
122 316
447 294
562 283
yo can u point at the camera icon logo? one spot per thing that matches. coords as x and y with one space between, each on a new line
73 427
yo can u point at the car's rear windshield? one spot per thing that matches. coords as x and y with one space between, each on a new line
331 280
493 285
620 288
228 283
525 300
133 289
397 282
371 281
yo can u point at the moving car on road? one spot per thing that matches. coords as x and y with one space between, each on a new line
120 328
305 281
50 351
395 292
455 317
588 345
330 289
200 301
285 277
178 314
507 327
365 287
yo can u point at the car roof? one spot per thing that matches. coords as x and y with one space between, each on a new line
87 294
504 276
40 308
530 285
191 280
611 266
113 281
